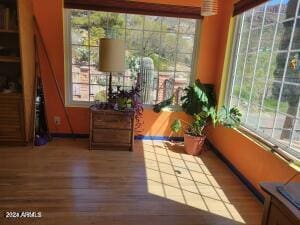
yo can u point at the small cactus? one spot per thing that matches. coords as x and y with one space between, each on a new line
147 78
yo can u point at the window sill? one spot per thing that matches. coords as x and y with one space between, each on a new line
176 108
268 146
78 105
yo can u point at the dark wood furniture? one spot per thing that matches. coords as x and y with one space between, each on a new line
111 130
278 210
11 118
17 66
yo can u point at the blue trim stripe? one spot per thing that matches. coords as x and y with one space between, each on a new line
244 180
158 138
138 137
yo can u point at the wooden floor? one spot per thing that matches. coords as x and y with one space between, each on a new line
157 184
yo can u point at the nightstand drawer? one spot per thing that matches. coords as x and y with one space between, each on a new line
111 121
111 130
111 136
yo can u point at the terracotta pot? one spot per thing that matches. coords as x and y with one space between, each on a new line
193 145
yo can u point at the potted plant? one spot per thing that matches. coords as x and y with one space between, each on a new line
199 101
130 101
194 135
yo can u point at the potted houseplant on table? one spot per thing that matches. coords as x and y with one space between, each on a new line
130 100
199 101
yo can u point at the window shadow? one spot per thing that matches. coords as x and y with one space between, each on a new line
201 182
156 184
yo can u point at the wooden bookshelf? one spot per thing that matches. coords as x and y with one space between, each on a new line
15 95
12 59
17 63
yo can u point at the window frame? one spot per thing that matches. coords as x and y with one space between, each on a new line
271 143
69 102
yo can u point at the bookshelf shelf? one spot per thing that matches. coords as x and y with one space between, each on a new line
8 15
9 31
9 59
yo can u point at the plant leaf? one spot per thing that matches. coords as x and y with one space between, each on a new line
198 98
229 117
176 126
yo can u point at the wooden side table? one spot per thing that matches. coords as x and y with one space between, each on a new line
277 209
111 130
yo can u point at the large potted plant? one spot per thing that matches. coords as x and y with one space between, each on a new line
194 133
199 101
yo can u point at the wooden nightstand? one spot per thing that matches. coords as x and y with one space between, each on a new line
278 210
111 130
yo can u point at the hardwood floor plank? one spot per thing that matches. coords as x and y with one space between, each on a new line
155 184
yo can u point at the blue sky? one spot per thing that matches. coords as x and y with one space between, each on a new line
275 2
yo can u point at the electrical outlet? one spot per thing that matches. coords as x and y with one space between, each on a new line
57 120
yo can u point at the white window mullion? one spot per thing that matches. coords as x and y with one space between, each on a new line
294 124
158 69
176 54
125 40
236 59
246 56
269 66
298 107
284 73
89 47
106 74
255 65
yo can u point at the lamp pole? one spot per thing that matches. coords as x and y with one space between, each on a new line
110 88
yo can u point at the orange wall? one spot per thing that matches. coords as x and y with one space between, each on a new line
49 15
249 158
255 163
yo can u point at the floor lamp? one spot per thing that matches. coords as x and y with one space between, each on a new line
111 59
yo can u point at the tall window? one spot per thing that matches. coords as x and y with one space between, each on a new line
159 54
265 82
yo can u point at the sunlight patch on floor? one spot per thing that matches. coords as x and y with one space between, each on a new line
185 179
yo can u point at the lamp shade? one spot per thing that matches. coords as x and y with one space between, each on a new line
209 7
111 55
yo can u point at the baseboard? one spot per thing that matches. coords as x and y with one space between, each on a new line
68 135
244 180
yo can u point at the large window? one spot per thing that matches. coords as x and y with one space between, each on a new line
265 82
159 54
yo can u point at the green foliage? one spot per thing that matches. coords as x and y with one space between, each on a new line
133 63
176 126
198 97
199 101
101 96
96 33
82 55
195 128
89 26
229 118
158 107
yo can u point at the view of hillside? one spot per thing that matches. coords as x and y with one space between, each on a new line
266 85
168 42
